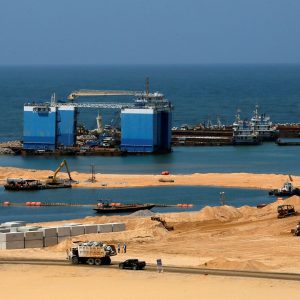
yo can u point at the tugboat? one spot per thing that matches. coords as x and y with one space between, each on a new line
263 126
106 207
286 191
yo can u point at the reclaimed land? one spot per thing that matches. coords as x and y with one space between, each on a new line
223 237
236 180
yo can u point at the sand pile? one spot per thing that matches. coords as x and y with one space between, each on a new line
140 231
142 213
223 263
220 213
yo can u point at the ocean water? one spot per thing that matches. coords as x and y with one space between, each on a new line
266 158
198 93
198 196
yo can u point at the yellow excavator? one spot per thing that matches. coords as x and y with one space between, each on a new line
54 181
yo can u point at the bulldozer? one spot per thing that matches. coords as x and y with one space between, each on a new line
285 210
55 182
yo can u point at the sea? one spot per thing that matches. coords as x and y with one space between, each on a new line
199 94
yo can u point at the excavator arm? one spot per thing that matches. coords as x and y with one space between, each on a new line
62 164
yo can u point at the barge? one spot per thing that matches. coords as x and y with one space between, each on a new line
108 208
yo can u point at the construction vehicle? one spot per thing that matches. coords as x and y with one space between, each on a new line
285 211
163 222
296 231
56 182
91 253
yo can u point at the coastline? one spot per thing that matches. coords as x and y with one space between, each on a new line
230 180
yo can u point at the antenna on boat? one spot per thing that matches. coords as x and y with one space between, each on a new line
237 116
256 110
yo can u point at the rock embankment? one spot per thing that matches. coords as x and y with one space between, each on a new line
7 147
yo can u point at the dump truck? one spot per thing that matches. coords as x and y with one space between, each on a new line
91 253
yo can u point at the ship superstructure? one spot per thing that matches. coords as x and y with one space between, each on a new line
261 123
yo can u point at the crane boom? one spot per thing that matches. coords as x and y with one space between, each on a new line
93 93
62 164
97 105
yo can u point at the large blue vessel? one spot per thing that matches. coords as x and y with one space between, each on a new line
48 126
147 126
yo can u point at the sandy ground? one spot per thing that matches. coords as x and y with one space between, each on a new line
36 282
221 237
245 180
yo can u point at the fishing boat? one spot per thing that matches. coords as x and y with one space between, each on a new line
106 207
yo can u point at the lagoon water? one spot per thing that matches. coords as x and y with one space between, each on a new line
198 93
266 158
198 196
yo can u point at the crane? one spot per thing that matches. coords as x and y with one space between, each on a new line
53 180
92 93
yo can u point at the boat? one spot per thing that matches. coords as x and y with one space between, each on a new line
244 134
261 123
106 207
20 184
286 191
288 142
261 205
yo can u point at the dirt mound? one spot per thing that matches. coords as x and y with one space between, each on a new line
221 213
142 213
223 263
139 230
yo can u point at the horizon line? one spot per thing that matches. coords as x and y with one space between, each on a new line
152 64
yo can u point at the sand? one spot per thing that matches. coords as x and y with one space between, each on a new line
226 237
243 180
49 283
222 237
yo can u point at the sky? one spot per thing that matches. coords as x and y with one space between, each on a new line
96 32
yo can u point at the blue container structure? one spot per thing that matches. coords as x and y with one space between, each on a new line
66 126
39 127
145 125
146 128
48 127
